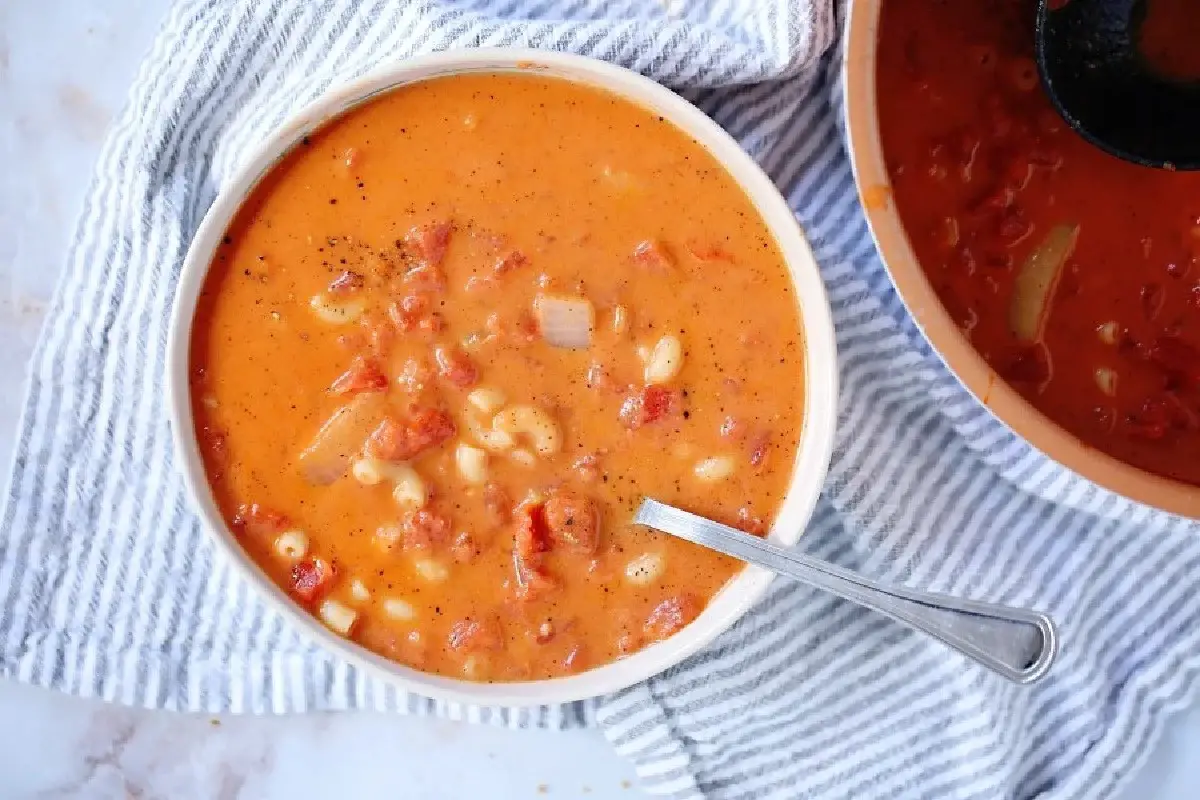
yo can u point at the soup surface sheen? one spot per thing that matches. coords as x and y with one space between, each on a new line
1076 275
452 340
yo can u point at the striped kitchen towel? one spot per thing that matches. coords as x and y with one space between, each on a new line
108 587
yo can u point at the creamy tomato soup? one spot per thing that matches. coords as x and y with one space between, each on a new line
453 339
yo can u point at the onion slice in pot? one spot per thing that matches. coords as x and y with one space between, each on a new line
341 438
565 321
1037 280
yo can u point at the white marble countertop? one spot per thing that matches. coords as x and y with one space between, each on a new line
64 67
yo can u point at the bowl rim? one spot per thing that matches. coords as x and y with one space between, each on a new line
960 357
820 370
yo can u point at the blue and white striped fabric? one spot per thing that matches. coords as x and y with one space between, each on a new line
108 588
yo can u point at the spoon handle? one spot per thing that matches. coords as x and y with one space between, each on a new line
1017 643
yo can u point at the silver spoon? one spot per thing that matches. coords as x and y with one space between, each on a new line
1017 643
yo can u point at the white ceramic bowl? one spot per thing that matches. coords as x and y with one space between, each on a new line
816 438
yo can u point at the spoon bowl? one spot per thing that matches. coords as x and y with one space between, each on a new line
1090 64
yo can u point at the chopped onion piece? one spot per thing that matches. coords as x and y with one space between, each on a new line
341 438
1037 280
565 321
1106 379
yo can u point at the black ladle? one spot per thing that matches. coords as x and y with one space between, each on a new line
1089 63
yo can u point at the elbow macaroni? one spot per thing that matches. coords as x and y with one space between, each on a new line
399 609
408 488
368 471
339 618
335 313
430 570
664 361
714 469
472 464
645 569
292 545
534 423
486 400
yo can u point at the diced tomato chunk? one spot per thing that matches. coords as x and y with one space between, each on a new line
389 441
412 313
347 281
422 429
424 530
531 541
671 615
429 241
311 578
378 332
456 366
407 312
525 327
531 536
425 278
533 581
474 635
572 521
514 259
648 405
255 520
654 256
364 375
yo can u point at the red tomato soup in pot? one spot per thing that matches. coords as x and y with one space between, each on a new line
452 340
1075 275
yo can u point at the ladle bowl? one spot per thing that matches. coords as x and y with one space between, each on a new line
1091 67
